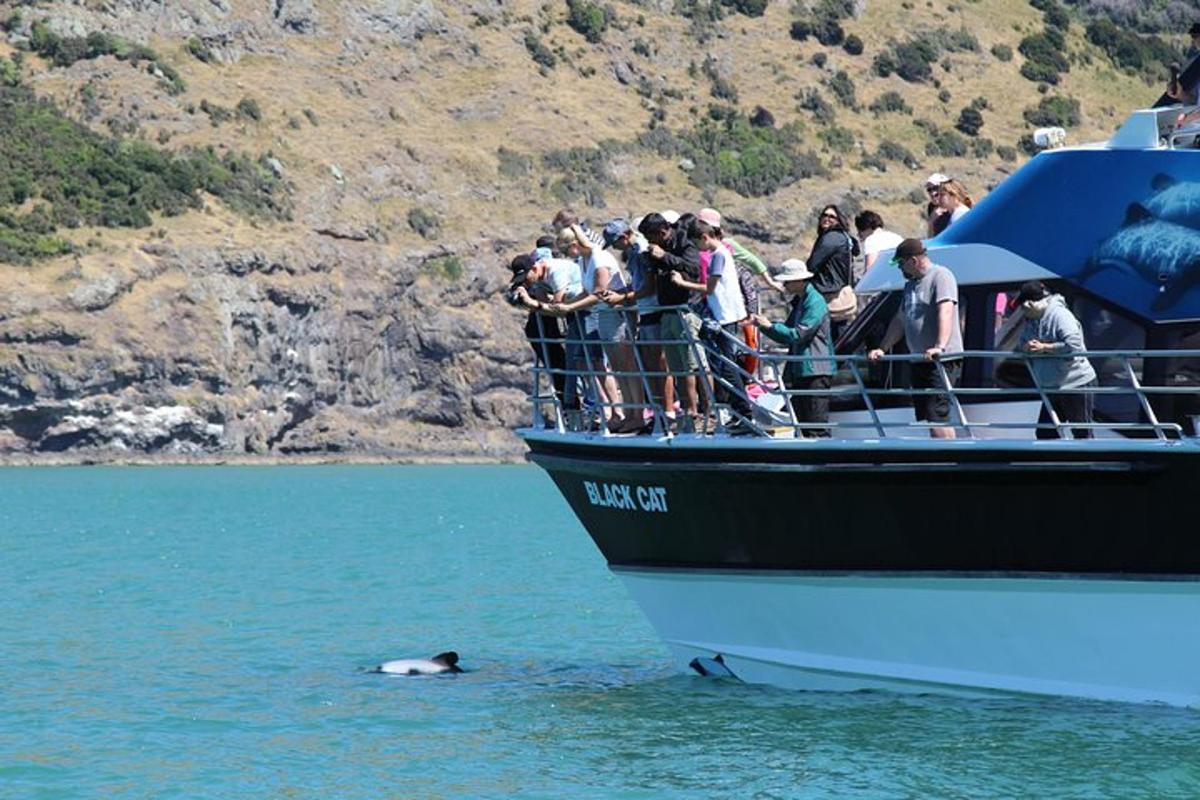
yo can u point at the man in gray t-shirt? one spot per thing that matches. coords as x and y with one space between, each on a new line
929 320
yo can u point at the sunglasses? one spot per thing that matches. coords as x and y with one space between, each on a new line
828 216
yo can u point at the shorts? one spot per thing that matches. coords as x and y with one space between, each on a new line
649 332
682 357
933 407
615 326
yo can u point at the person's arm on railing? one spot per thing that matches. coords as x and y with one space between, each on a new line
892 335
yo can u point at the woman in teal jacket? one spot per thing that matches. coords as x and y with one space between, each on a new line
806 333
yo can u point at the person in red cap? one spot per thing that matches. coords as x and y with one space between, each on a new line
928 320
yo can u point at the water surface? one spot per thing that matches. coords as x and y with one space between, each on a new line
202 633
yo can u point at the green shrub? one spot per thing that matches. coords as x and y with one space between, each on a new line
513 164
853 45
1054 110
425 223
751 8
982 147
539 52
217 114
583 174
946 144
800 30
447 268
79 177
1002 52
893 151
890 102
1006 153
1147 56
970 121
837 138
589 19
1044 59
753 161
200 50
63 51
829 32
812 100
248 108
842 86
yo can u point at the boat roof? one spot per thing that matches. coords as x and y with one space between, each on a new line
1120 219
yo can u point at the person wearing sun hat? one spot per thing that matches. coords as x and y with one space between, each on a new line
928 321
806 332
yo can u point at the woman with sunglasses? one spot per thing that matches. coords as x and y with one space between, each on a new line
832 265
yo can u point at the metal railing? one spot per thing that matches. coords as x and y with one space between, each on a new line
774 413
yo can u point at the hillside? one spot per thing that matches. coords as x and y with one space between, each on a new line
287 232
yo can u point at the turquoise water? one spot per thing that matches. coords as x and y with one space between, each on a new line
202 633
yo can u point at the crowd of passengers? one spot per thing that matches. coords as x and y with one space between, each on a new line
670 304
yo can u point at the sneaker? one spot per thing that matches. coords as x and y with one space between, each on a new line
739 428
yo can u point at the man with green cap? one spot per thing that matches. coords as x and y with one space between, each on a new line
928 320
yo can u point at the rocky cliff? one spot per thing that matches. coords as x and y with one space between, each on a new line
422 144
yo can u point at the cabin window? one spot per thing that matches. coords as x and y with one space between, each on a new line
1106 329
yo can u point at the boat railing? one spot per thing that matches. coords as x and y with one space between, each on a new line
589 362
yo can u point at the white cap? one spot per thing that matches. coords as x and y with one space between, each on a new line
936 179
670 216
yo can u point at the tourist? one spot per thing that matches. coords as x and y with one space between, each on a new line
567 218
642 292
742 255
806 333
935 215
727 308
748 265
671 250
549 281
600 322
954 201
1051 334
874 237
928 320
831 263
544 333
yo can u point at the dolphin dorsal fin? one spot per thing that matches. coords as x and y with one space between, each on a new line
449 658
1136 213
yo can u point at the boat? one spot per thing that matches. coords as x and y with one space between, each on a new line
883 558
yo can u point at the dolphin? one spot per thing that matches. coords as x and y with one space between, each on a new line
1173 201
440 664
1163 254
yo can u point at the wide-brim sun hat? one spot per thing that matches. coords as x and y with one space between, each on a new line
794 269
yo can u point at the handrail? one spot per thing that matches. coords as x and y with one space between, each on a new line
769 378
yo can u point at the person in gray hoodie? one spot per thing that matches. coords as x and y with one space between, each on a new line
1053 332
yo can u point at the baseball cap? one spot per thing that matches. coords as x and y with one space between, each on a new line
710 216
614 230
670 215
936 179
907 249
1033 290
